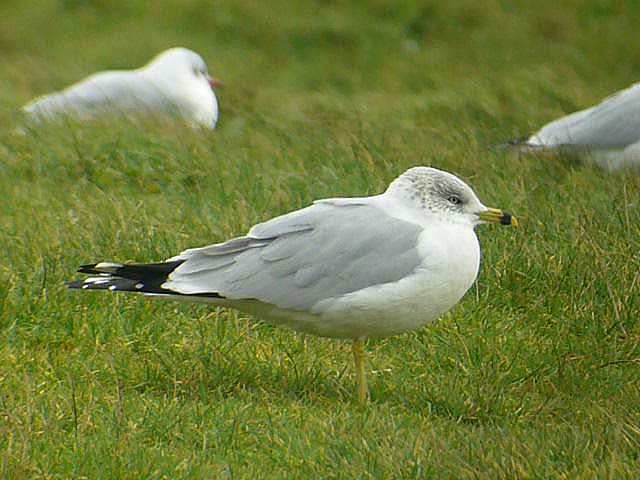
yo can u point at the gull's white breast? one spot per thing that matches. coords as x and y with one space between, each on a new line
193 98
451 258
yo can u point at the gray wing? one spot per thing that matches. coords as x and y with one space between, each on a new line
614 123
329 249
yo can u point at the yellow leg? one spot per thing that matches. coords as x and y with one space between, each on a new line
361 378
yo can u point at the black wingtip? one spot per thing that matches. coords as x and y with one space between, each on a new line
74 285
515 143
89 268
114 284
147 278
141 278
524 140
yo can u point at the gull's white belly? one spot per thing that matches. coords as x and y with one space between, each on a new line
450 266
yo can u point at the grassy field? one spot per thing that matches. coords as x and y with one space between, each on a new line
535 374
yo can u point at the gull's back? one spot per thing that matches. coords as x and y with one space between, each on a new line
101 92
612 124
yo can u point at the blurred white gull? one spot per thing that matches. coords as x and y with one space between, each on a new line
607 134
176 82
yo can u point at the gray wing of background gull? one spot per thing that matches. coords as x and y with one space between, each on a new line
614 123
332 248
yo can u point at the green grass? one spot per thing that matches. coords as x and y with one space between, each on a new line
535 374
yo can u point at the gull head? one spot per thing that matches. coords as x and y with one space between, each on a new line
442 195
182 61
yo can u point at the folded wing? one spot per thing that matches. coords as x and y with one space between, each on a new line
296 260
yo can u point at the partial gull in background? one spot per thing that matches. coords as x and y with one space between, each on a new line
353 268
607 134
176 82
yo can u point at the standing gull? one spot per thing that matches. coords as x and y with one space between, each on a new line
175 82
353 268
608 133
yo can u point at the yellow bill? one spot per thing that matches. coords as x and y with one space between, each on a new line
495 215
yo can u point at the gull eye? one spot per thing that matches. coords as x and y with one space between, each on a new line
453 200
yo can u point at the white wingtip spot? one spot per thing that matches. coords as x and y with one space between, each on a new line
112 288
139 285
98 280
84 287
108 264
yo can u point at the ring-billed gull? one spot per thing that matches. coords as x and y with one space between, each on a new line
608 133
353 268
174 82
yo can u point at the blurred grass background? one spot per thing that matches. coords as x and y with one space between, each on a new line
534 375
